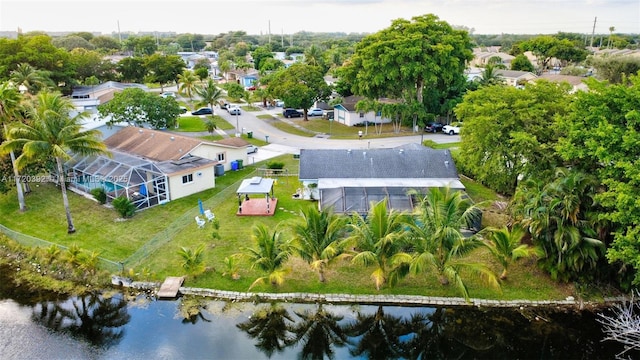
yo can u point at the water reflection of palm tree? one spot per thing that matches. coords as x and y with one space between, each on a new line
378 334
269 326
320 333
428 339
93 317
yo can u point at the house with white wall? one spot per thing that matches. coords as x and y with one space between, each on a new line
346 113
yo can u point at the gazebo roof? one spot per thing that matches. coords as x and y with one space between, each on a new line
255 185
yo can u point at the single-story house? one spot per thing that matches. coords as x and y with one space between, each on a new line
346 114
350 180
576 82
482 58
515 77
152 167
88 97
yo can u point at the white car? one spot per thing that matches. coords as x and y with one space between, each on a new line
234 110
252 149
168 94
451 129
279 103
315 112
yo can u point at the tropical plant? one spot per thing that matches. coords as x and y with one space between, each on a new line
99 194
125 207
557 214
379 239
210 125
490 76
209 94
270 256
192 260
231 267
316 238
506 246
30 78
188 80
52 133
438 242
268 325
9 108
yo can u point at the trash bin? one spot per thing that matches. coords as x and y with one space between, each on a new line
239 164
250 134
234 165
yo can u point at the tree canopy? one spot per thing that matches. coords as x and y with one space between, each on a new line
509 133
407 57
299 86
136 106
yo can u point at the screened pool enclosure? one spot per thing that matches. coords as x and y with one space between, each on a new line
139 180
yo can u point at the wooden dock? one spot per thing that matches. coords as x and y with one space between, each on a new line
170 287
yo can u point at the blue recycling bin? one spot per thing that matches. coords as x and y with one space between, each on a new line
234 165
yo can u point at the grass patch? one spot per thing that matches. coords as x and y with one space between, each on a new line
434 145
341 131
280 125
156 234
264 117
214 137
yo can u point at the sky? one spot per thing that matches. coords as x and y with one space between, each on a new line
289 16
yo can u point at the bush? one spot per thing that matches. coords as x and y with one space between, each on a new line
124 206
275 165
99 194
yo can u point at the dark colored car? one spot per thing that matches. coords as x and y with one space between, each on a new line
289 113
202 111
433 127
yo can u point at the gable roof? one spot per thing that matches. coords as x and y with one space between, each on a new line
514 74
151 144
406 163
234 142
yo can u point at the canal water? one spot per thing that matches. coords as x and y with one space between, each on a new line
121 326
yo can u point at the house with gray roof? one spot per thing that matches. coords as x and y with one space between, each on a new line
350 180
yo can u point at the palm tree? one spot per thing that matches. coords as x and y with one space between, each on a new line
193 260
316 239
209 94
379 240
506 246
313 56
558 217
491 77
611 30
9 104
33 80
439 243
52 133
188 81
270 255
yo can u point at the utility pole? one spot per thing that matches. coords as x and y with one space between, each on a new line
119 34
593 32
269 31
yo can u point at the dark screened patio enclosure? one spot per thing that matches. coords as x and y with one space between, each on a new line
139 180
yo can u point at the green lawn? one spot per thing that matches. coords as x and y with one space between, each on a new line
340 131
150 240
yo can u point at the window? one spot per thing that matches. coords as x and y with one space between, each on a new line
221 157
361 115
379 113
187 179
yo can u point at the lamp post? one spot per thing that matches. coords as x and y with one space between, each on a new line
237 126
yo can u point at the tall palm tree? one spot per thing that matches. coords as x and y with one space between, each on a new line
9 104
439 244
506 246
32 79
316 239
611 30
209 94
52 134
313 56
379 240
270 256
188 80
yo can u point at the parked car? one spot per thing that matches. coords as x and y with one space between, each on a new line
451 129
234 110
433 127
168 94
252 149
202 111
328 115
223 104
315 112
278 102
289 113
183 109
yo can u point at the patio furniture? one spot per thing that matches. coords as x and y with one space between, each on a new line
209 215
200 222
